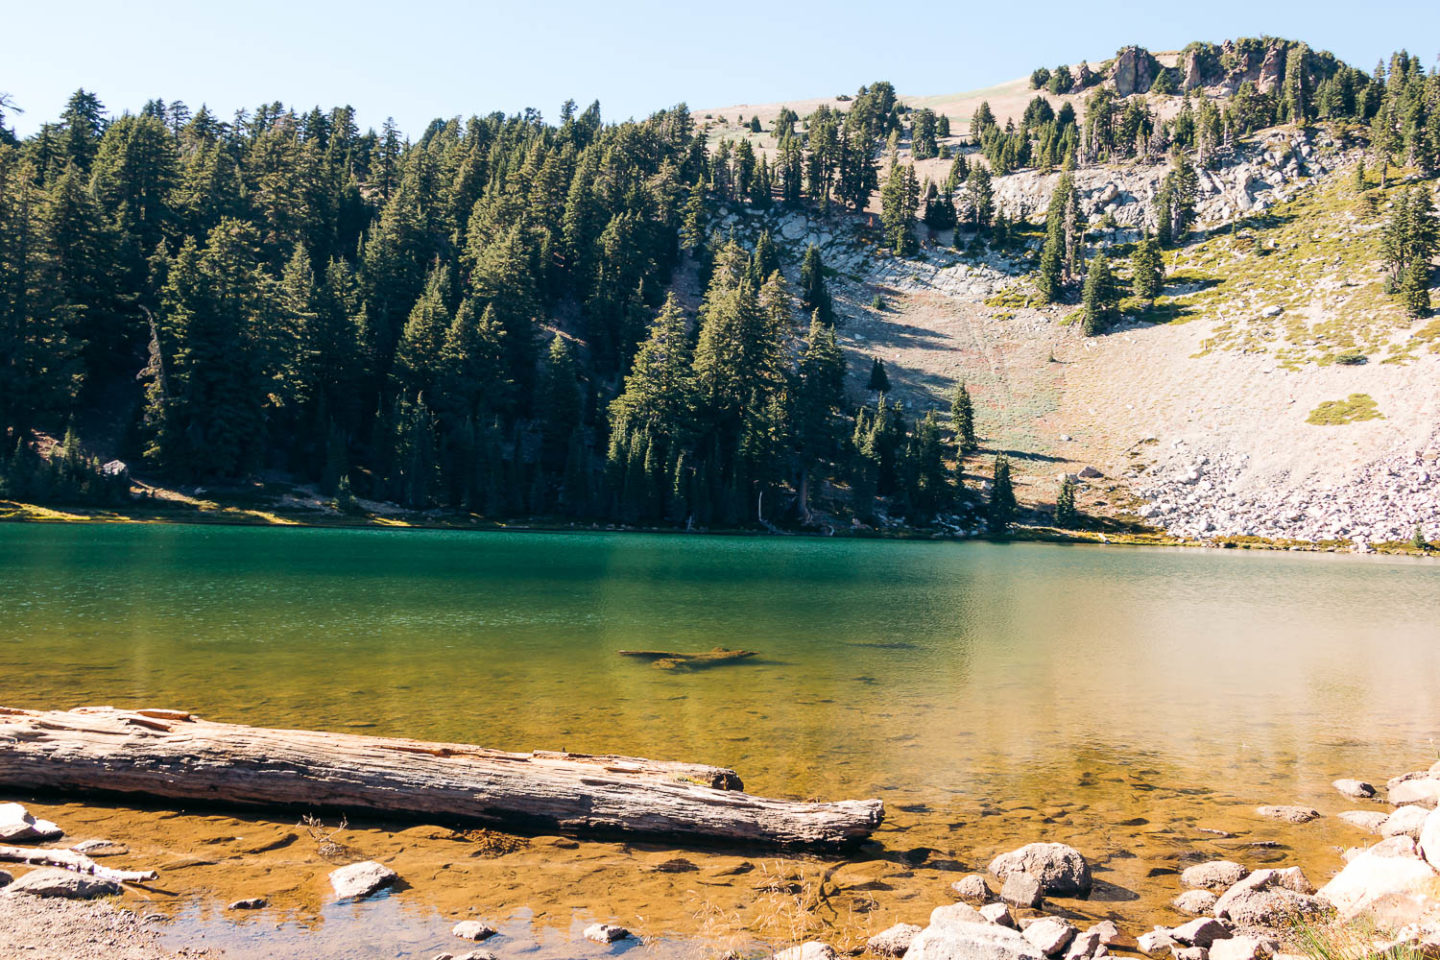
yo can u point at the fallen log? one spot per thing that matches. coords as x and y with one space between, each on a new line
77 862
171 754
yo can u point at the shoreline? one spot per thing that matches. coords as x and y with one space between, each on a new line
16 512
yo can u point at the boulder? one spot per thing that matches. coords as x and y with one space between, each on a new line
1085 946
972 889
18 826
609 933
1267 899
1195 903
1133 71
1407 821
1089 473
955 913
1367 820
1242 948
1390 870
1050 935
1293 879
1358 789
894 941
472 930
50 882
1289 814
1201 932
1106 931
1155 942
1423 791
1021 890
356 881
1059 869
998 913
249 903
971 941
1213 875
1430 839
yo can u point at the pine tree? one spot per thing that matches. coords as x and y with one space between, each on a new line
814 295
879 381
982 195
962 417
1066 516
1000 508
558 403
1100 297
1146 270
1415 289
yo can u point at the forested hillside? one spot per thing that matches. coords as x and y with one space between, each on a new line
512 317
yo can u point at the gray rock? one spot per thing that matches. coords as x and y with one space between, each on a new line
609 933
18 826
1407 821
1242 948
1190 953
101 848
249 903
1050 935
1358 789
1021 890
1089 473
1423 792
1429 840
472 930
955 913
1195 903
972 889
1085 946
355 881
1201 932
1060 869
1391 868
1292 879
894 941
1367 820
971 941
1260 901
63 884
1213 875
998 913
1106 931
1155 942
1289 814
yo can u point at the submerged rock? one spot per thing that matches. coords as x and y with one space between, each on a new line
1213 875
1289 814
894 941
1060 869
356 881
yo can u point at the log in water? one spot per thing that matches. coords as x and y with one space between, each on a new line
172 754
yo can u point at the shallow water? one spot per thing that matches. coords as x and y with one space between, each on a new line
1124 700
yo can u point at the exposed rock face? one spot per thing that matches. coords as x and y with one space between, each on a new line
1059 869
50 882
1213 875
1272 69
1133 71
971 941
356 881
894 941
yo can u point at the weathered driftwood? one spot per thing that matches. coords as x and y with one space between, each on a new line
70 860
171 754
670 660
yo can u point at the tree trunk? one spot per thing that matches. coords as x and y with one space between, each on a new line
172 755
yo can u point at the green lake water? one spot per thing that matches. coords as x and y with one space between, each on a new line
985 691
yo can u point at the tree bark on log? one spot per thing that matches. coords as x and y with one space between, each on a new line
170 754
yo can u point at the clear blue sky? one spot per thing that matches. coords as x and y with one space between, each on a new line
418 59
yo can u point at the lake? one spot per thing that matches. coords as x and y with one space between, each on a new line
1137 703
